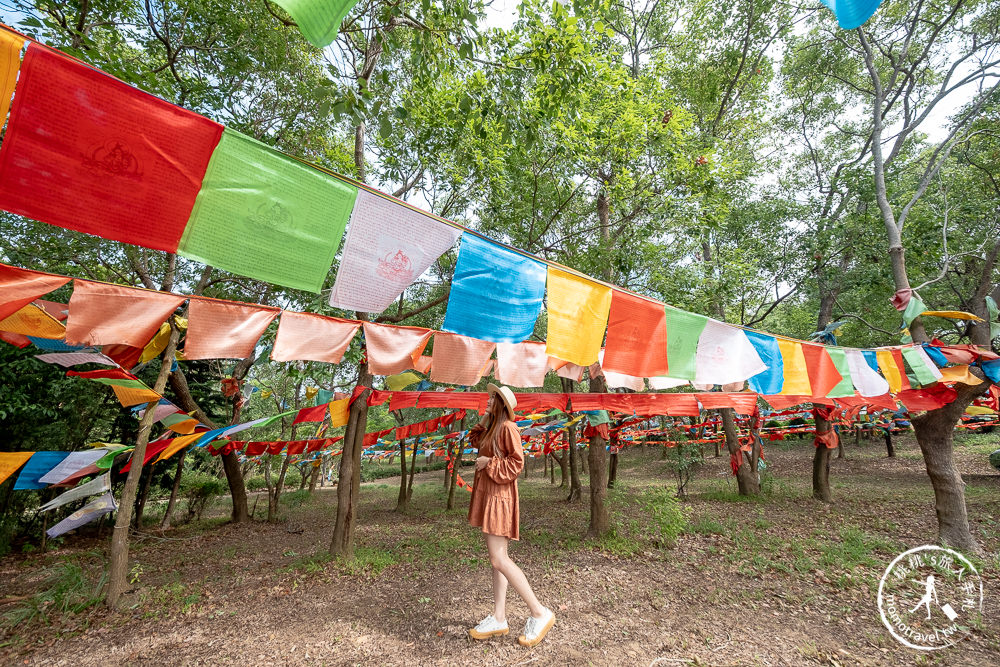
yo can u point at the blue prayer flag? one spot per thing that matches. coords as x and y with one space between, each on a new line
496 294
36 467
852 13
773 379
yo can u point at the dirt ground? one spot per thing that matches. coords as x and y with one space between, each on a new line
779 580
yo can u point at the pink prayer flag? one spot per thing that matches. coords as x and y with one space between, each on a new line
522 364
101 314
459 359
309 337
19 287
393 349
388 247
224 330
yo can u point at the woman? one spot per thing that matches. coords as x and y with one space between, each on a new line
494 508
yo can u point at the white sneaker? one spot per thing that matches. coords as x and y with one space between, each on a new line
489 627
536 629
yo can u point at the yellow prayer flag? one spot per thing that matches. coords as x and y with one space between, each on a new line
953 315
157 344
793 363
33 321
979 410
887 364
11 462
578 316
311 393
10 63
401 381
339 411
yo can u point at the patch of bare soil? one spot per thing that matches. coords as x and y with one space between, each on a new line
782 580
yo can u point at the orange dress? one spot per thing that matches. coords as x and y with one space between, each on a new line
494 489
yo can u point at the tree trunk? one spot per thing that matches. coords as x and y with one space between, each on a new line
119 539
349 479
746 477
413 469
935 434
572 452
140 501
313 477
563 460
600 522
173 491
401 499
821 464
890 451
237 487
274 497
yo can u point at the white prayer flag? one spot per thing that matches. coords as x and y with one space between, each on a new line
725 355
388 247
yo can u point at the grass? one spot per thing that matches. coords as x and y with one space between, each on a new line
67 589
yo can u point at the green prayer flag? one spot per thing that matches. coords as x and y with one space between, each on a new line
600 418
268 216
683 331
323 396
120 382
916 362
845 387
913 309
319 20
105 461
994 313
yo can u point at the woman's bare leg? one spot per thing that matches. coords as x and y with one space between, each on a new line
507 569
499 596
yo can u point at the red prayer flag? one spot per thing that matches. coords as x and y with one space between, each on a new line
19 287
742 402
316 414
256 448
88 152
225 330
637 336
402 399
296 447
474 400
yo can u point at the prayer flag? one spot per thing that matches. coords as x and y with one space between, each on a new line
852 14
845 387
578 315
101 313
401 381
866 379
620 380
959 374
459 359
94 486
35 322
637 336
522 364
924 369
388 247
892 374
914 307
339 412
129 396
72 464
11 462
67 359
393 349
318 20
266 215
664 382
10 63
496 294
35 469
177 444
314 414
309 337
683 331
724 355
223 330
152 449
92 510
771 380
88 152
823 373
953 315
19 287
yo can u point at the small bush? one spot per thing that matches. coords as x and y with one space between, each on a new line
200 488
668 517
295 498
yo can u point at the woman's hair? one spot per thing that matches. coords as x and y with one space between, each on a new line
498 417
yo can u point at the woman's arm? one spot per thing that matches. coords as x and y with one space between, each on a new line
508 461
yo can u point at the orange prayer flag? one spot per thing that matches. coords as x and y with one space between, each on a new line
102 314
222 330
959 374
459 359
309 337
33 321
177 444
637 337
129 396
11 462
10 63
823 373
19 287
393 349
